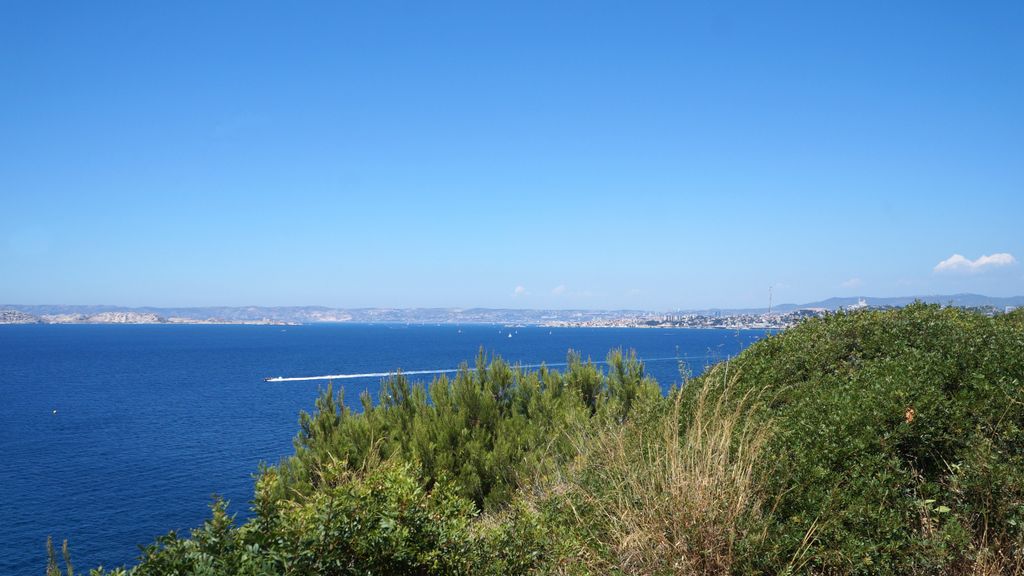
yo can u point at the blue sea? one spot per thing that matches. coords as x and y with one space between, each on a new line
113 435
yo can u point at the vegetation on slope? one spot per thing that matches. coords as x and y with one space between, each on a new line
865 443
486 429
897 444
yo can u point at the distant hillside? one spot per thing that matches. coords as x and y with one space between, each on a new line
224 313
316 314
836 303
958 300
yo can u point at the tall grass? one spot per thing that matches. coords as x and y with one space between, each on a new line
992 560
670 491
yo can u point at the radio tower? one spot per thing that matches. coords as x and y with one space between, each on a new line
769 300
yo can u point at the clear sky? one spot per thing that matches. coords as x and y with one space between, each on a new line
509 154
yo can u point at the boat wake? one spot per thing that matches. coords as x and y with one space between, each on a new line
364 375
454 370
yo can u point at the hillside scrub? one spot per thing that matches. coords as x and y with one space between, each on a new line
898 442
486 429
885 442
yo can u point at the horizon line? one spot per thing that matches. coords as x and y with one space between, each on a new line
463 308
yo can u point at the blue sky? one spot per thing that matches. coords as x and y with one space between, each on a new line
513 154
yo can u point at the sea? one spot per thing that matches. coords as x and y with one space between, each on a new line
111 435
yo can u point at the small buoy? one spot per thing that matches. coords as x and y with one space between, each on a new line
54 411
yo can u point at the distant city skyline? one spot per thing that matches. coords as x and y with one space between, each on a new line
587 156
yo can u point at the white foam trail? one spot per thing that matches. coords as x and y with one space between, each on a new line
364 375
449 370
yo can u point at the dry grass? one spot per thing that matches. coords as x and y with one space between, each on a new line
672 495
990 558
992 562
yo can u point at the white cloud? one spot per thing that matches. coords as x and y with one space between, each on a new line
957 263
519 291
559 290
853 283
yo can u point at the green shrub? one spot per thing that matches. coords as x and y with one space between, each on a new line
488 428
899 441
398 487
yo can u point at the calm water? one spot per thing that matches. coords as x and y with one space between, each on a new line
151 421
